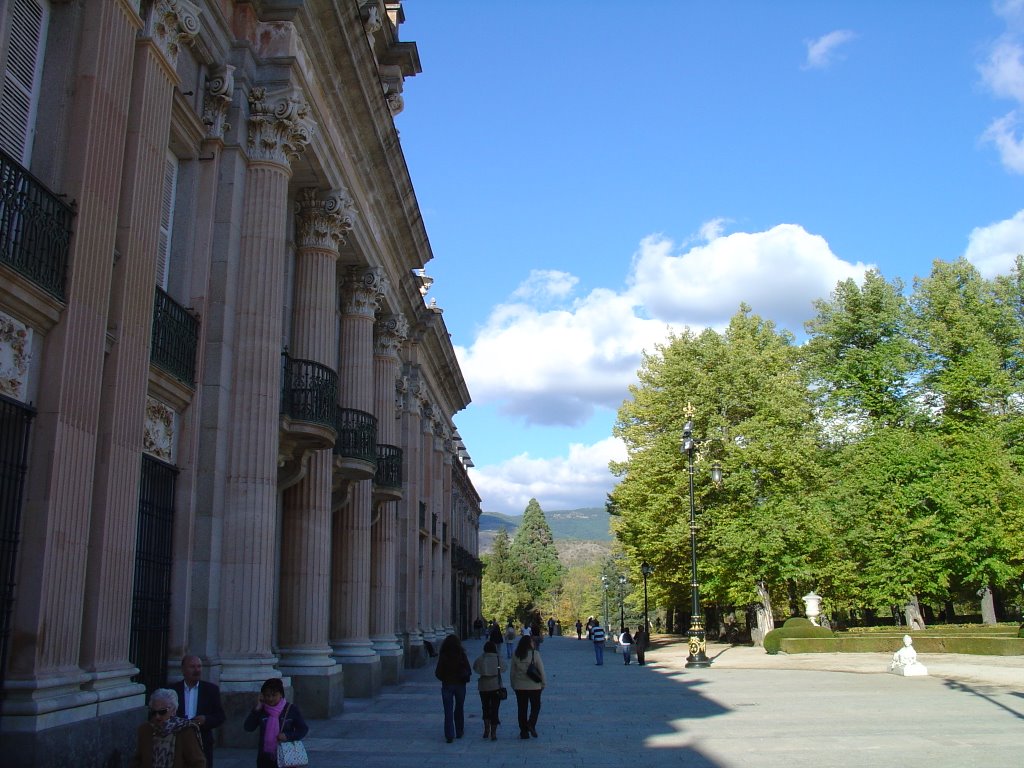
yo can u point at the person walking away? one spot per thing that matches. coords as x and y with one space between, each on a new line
510 639
494 635
640 640
597 635
200 702
527 689
488 668
454 672
277 720
166 740
626 644
579 629
551 626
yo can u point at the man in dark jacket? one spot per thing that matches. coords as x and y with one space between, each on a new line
199 701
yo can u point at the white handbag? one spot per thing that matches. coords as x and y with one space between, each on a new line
291 753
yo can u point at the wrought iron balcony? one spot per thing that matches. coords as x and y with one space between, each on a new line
389 467
35 228
175 338
357 435
309 391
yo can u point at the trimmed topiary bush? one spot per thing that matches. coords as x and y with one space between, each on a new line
793 628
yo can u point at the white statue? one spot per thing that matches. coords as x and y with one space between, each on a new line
904 661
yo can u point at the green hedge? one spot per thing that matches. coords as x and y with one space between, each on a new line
973 630
982 646
795 628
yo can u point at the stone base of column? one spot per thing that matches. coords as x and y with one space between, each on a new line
318 682
104 740
391 656
360 666
415 652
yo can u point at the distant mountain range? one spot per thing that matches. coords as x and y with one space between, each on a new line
589 524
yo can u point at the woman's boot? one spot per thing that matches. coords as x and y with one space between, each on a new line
487 729
494 731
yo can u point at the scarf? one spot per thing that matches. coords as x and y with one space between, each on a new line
163 740
273 726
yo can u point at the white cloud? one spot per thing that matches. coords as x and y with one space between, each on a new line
1003 73
992 249
580 479
712 230
546 284
822 51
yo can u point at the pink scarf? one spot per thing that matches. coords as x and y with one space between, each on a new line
273 726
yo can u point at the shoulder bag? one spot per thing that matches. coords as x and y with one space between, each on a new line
532 672
291 753
502 690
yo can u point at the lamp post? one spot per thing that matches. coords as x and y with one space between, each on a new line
646 570
604 585
622 603
698 640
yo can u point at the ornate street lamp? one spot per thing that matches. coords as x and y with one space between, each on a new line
698 640
646 570
622 604
604 584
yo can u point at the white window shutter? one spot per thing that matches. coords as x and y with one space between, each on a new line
22 74
163 254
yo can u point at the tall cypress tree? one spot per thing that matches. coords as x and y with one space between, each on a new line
534 554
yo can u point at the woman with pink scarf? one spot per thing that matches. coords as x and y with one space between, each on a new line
277 719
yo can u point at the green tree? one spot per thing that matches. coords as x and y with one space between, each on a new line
501 600
533 553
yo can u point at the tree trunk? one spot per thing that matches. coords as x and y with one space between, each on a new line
765 618
912 613
988 605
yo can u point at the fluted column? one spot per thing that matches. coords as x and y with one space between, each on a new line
362 292
390 333
438 619
278 130
446 515
303 621
427 567
408 519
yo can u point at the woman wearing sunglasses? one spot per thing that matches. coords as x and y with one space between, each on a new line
166 740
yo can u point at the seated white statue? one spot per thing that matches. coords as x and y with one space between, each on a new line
904 661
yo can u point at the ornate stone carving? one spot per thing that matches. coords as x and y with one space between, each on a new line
370 14
220 85
390 334
171 24
401 394
279 126
323 222
158 435
15 357
363 291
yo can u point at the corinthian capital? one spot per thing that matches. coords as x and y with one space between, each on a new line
390 334
363 291
171 24
220 85
323 221
279 126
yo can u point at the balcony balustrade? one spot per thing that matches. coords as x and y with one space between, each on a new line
35 228
387 482
175 338
309 393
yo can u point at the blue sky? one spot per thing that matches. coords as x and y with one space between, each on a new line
594 173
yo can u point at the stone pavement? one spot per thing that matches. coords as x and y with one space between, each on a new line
748 709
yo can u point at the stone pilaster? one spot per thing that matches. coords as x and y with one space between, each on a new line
408 520
361 295
115 499
43 682
278 131
446 514
390 333
303 620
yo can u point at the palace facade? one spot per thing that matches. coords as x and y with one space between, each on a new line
226 399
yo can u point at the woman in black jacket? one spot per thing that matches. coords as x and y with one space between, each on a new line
277 719
454 672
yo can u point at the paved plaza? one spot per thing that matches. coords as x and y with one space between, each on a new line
748 709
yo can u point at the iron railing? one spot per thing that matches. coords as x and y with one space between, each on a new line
389 467
463 560
151 591
309 391
357 435
15 425
35 228
175 338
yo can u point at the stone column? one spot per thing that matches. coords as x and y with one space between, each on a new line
278 131
362 292
390 333
408 521
306 519
445 601
43 680
438 619
106 622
